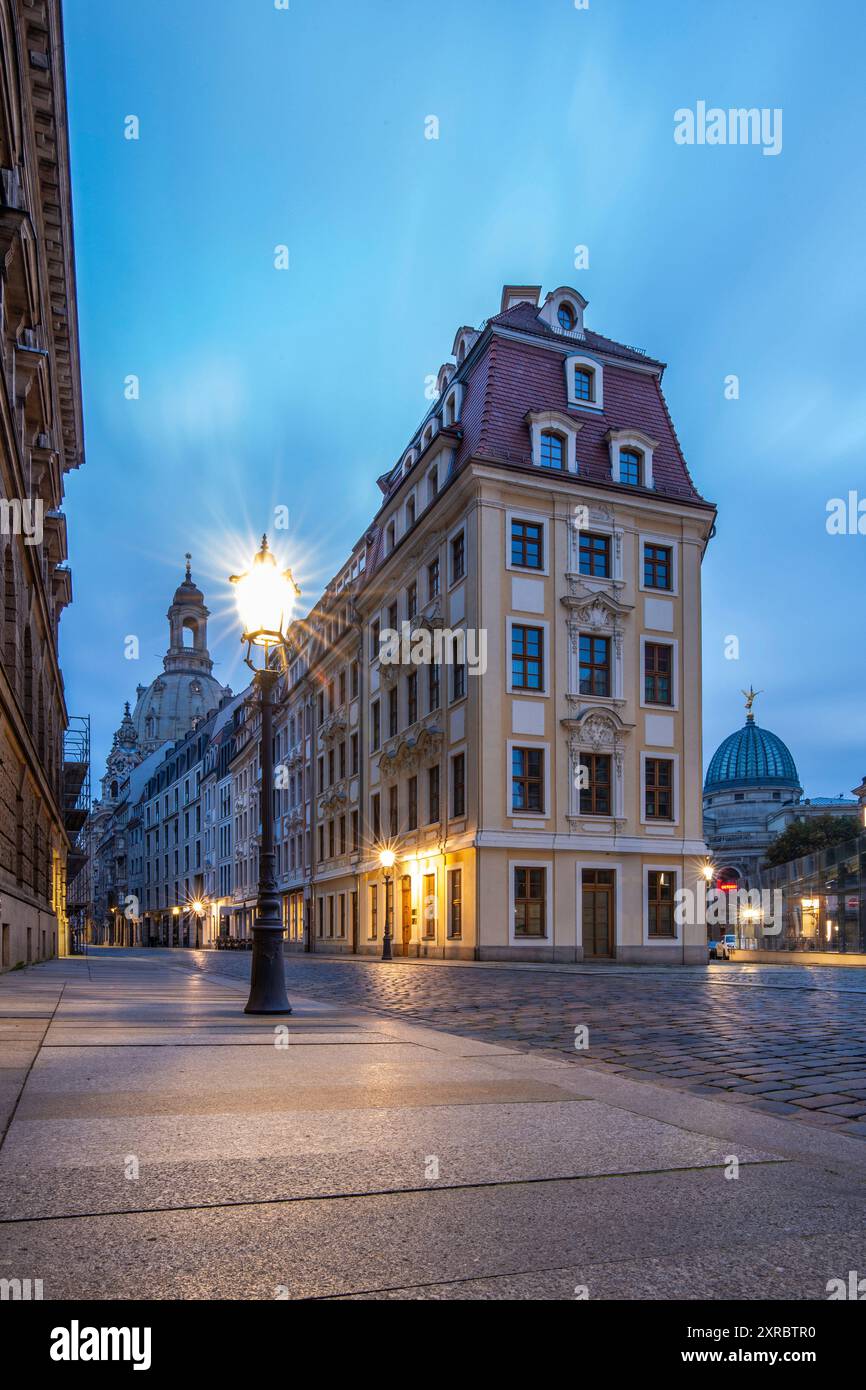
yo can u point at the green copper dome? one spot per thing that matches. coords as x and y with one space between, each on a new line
751 757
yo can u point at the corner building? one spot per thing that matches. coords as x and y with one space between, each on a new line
544 795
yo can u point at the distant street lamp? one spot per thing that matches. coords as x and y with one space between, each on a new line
175 927
265 598
386 859
198 908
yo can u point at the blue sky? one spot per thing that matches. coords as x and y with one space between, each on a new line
305 127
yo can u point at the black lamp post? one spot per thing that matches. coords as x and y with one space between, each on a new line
265 597
386 859
198 908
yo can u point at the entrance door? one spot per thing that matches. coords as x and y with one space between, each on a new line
406 911
598 918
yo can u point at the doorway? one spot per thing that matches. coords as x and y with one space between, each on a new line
598 914
406 911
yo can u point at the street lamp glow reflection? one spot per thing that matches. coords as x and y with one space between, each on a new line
265 597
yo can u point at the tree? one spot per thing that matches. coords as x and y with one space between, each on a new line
808 836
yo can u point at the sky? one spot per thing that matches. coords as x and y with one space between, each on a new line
304 127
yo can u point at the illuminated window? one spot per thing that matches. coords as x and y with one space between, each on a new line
661 885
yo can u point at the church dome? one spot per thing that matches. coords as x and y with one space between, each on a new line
165 710
751 757
185 689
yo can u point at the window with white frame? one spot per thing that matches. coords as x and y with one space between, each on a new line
452 404
631 457
659 788
660 888
553 437
597 777
530 902
584 381
528 789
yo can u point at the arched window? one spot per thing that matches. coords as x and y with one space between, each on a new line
40 725
630 467
552 450
565 314
584 384
10 618
28 678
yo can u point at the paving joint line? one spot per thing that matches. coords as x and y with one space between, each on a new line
479 1185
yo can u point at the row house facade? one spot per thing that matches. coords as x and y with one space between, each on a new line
41 440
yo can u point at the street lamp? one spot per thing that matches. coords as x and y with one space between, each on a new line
265 597
175 928
386 859
198 907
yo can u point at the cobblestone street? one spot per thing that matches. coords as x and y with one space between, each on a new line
789 1041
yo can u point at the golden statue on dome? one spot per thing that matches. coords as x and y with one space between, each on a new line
751 696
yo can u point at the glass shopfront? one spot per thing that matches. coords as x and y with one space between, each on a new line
824 900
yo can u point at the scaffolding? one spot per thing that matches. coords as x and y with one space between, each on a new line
76 818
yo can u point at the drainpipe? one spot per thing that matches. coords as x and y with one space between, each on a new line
361 783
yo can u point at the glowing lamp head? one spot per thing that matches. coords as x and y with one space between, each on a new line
387 858
265 597
175 912
708 872
198 907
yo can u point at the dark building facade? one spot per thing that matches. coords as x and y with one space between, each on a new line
41 440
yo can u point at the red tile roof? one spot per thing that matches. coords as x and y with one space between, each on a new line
512 377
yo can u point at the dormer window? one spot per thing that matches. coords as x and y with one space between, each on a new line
552 450
631 457
630 467
584 382
451 407
554 439
562 311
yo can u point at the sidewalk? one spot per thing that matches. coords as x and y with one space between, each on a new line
159 1144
